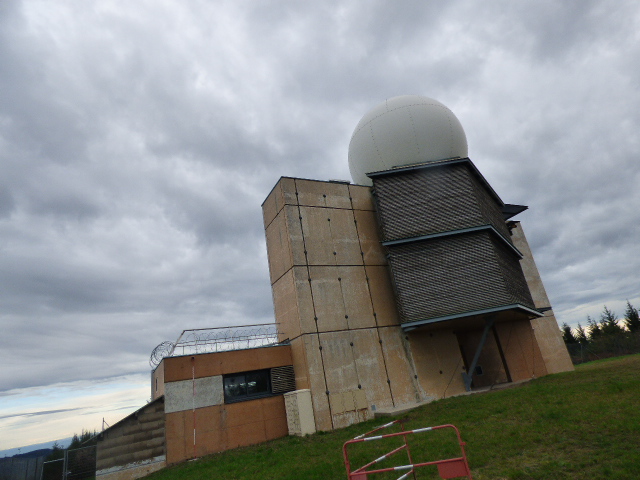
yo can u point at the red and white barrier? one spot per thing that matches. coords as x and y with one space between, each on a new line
447 468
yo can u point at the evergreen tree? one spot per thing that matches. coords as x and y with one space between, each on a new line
631 318
609 322
567 334
581 335
57 452
85 439
593 329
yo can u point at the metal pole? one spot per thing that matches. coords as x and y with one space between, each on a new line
468 376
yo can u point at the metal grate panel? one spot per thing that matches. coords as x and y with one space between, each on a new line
283 379
512 273
447 274
490 209
422 202
453 275
438 199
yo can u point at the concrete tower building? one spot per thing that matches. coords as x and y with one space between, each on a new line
409 285
413 283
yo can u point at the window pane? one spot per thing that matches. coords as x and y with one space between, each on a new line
235 386
258 382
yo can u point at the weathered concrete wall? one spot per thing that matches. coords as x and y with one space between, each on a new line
553 349
441 355
521 350
490 362
402 374
189 394
135 445
439 363
309 346
369 365
334 300
546 329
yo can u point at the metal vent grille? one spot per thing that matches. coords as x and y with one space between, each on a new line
422 202
283 379
491 210
434 200
454 275
514 278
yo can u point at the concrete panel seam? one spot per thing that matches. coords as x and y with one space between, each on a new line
375 317
288 270
313 303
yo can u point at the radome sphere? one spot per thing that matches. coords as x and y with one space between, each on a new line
402 131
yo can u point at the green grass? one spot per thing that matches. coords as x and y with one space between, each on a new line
576 425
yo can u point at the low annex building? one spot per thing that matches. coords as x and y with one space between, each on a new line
413 283
202 403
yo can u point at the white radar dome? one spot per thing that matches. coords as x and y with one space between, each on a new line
402 131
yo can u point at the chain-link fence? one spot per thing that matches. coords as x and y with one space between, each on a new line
605 346
77 464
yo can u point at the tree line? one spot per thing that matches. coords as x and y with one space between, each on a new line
85 439
609 324
605 337
76 462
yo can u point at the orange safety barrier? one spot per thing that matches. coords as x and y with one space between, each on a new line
447 468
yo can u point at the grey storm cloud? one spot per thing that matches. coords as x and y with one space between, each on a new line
138 140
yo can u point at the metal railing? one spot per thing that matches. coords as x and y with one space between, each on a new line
77 464
20 468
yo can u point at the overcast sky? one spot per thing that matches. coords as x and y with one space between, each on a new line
138 140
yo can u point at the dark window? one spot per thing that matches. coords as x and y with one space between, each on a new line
246 386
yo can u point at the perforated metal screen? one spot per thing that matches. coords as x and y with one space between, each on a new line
453 275
456 272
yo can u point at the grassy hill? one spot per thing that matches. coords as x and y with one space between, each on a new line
579 425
